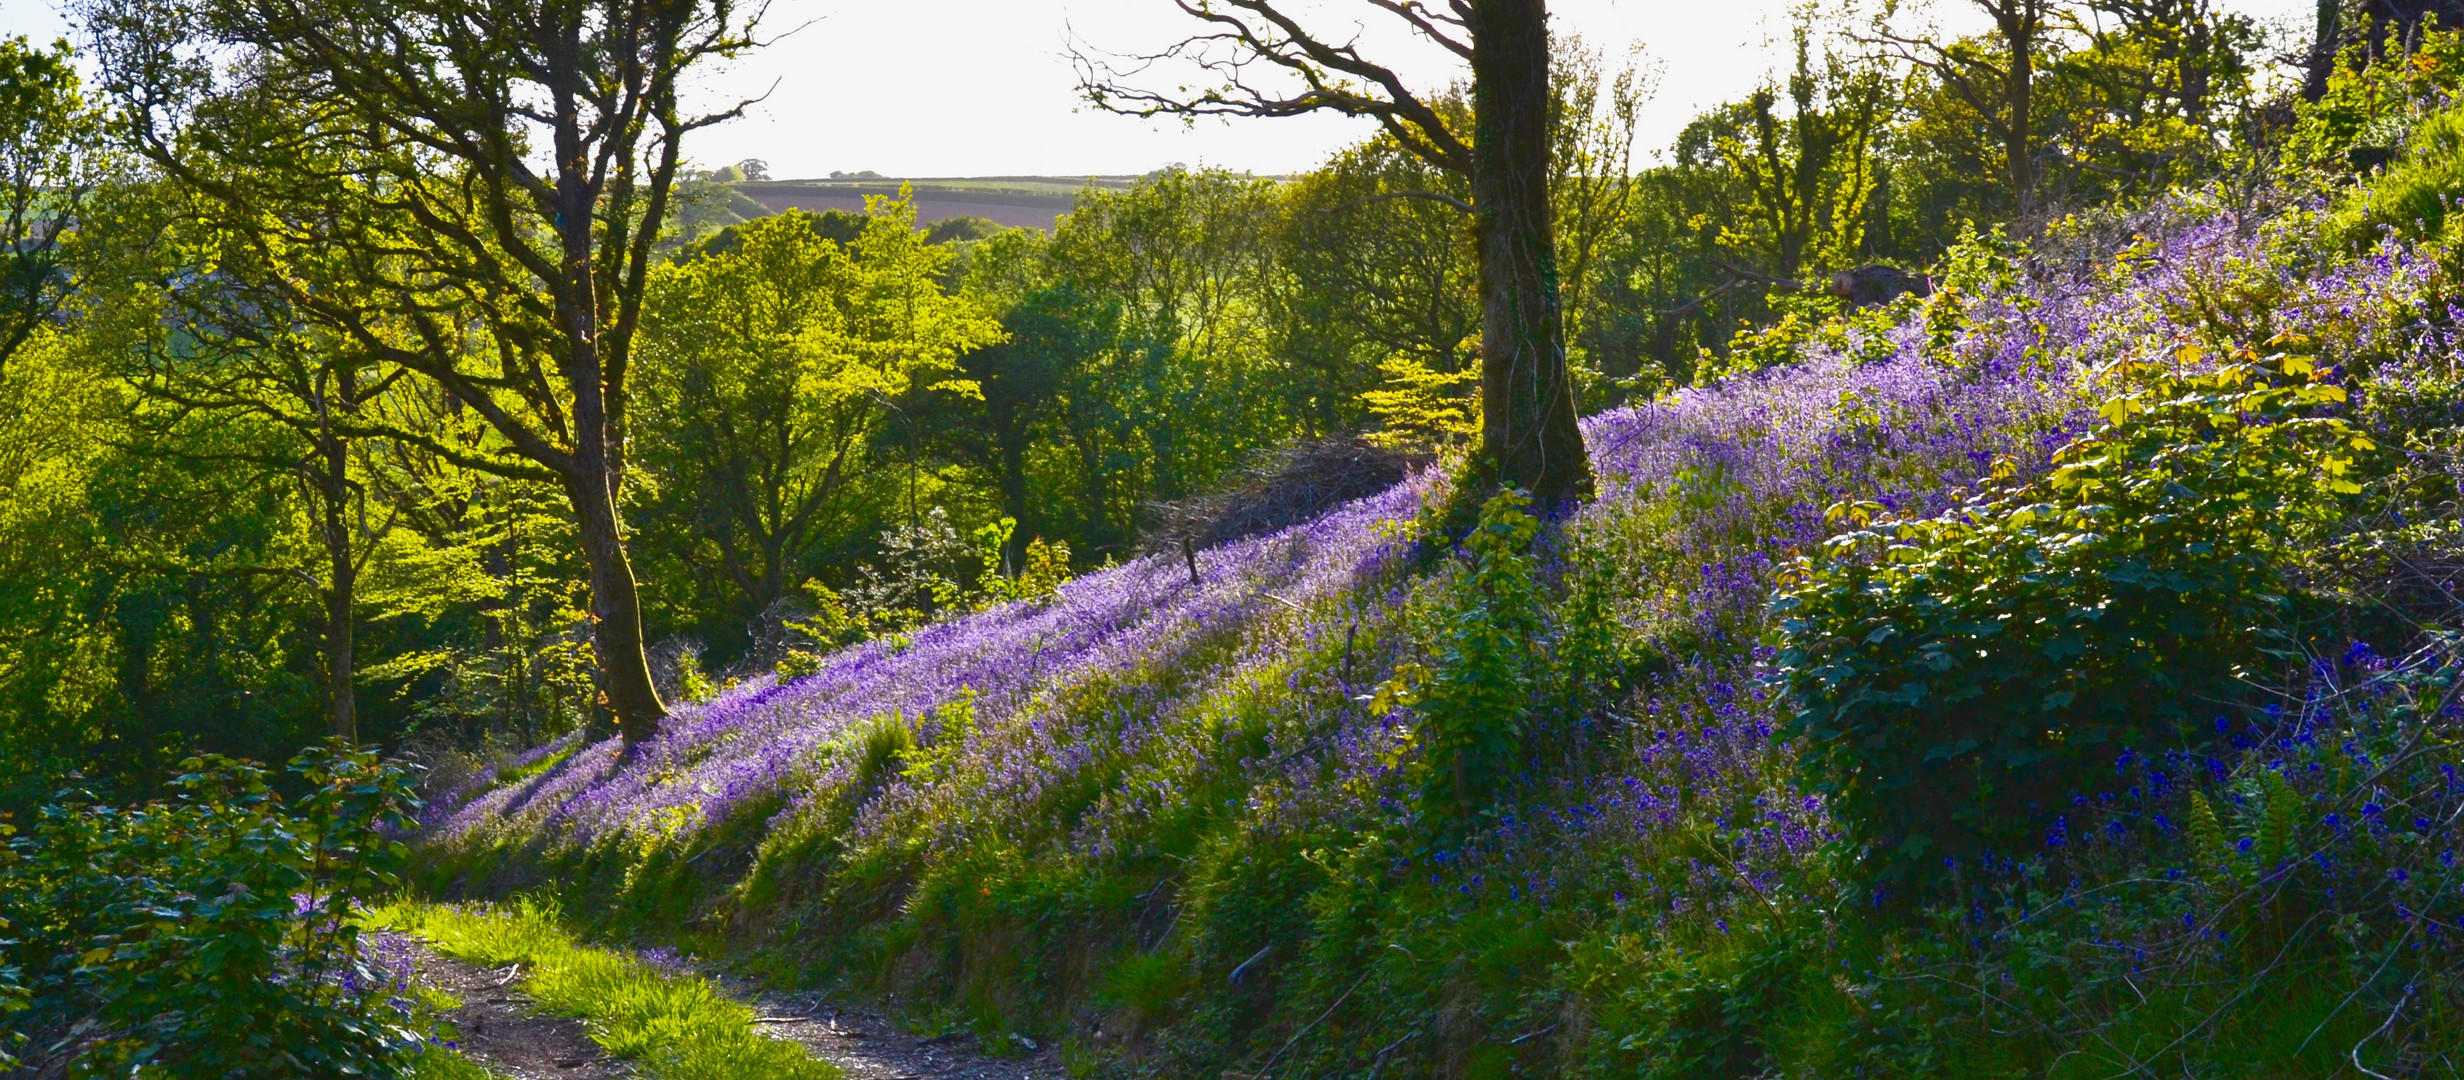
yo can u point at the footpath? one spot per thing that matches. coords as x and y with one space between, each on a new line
499 1029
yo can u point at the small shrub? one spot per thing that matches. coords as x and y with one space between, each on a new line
1955 680
829 626
1420 409
1046 570
1043 569
1482 640
916 579
797 664
213 934
692 683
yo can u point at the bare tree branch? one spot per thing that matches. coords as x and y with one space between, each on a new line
1246 34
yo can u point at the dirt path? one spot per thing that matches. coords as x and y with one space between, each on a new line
499 1030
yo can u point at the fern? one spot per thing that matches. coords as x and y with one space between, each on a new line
2275 840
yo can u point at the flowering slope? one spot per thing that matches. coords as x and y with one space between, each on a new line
1185 810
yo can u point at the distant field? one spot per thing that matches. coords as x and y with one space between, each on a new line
1030 201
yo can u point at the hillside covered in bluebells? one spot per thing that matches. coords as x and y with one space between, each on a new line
1764 795
1932 576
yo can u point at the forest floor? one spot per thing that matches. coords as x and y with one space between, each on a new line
499 1029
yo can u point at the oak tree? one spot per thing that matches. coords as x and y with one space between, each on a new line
491 176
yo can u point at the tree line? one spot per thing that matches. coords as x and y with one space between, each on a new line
391 370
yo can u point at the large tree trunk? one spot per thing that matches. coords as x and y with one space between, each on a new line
596 472
616 613
1528 433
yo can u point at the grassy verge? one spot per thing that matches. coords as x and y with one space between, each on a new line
678 1026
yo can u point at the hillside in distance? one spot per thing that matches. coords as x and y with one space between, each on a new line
1034 202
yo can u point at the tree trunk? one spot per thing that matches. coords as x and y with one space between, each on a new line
1528 433
595 472
2323 46
1013 454
2018 21
341 589
332 483
616 613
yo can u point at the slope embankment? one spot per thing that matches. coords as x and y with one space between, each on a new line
1193 823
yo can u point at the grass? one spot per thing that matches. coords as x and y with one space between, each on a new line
512 774
439 1063
679 1027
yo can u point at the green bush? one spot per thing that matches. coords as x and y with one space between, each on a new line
1483 644
1508 652
212 934
1955 682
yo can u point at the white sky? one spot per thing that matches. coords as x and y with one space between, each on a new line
985 88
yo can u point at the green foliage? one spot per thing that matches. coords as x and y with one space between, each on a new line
1957 681
1422 409
1474 697
1505 652
917 578
796 664
433 1062
214 934
831 625
1810 168
693 684
51 155
881 747
1043 569
1379 279
771 370
1046 569
2371 105
1983 263
929 753
2409 198
485 603
1759 348
961 230
1712 1011
679 1026
2149 97
828 440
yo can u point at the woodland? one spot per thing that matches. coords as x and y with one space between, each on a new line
1947 569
